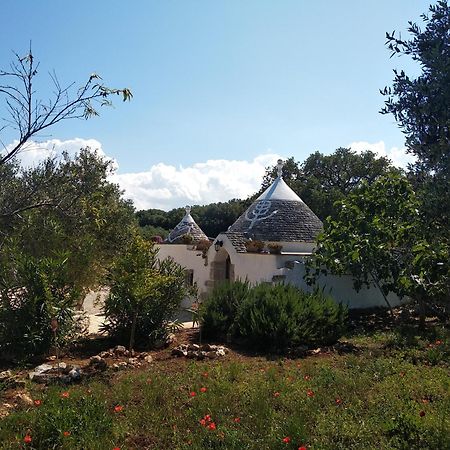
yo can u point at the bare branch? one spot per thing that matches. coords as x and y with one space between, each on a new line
30 116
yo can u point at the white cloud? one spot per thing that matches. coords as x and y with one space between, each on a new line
397 155
165 187
34 152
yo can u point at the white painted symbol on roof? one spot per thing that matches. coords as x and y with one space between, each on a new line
259 213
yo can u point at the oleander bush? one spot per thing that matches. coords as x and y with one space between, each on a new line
39 293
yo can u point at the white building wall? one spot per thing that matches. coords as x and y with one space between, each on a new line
261 267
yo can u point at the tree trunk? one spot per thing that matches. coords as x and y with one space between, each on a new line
422 312
375 280
133 332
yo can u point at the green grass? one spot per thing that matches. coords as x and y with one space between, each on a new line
392 395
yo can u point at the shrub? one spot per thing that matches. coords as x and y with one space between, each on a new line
281 316
144 295
218 312
41 293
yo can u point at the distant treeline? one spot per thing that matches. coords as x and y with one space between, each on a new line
320 181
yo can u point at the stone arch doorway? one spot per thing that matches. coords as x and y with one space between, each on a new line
222 268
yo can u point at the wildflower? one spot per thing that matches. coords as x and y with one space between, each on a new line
338 401
302 448
276 394
65 394
205 374
203 422
27 439
422 413
116 448
310 393
66 433
286 440
438 342
37 402
203 389
306 377
193 394
207 418
118 408
237 420
212 426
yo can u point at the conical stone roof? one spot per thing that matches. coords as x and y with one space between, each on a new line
187 226
278 214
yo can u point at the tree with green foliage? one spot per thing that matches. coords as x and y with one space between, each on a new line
145 294
420 106
81 213
52 254
379 239
321 180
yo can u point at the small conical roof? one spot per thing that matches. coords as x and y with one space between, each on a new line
278 214
187 226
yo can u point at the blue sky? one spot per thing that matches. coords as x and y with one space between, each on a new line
219 80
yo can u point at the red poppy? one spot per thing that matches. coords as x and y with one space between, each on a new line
310 393
422 413
203 422
193 394
66 433
116 448
118 408
203 389
37 402
207 418
302 448
205 374
276 394
65 394
307 377
338 401
286 440
212 426
27 439
236 419
438 342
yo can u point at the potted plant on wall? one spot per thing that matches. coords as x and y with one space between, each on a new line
203 246
187 239
254 246
274 248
